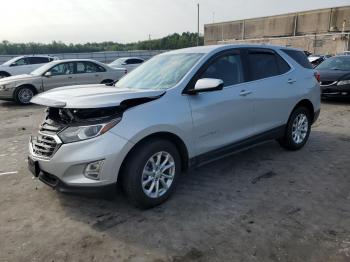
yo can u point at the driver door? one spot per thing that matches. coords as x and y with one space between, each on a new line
223 117
61 75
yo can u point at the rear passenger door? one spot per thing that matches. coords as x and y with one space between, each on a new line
222 117
88 73
271 81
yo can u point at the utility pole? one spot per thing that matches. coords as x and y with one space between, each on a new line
149 42
198 24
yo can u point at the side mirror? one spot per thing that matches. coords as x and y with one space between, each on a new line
124 63
13 64
48 74
207 85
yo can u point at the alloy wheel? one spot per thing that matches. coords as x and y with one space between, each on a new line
158 174
24 95
300 128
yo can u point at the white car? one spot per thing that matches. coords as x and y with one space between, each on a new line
69 72
23 65
128 63
179 109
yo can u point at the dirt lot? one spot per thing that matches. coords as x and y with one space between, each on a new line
264 204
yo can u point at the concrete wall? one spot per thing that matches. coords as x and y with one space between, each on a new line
318 44
310 22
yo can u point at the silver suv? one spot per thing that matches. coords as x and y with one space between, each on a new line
180 109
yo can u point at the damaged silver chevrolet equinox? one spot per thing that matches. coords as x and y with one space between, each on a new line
179 109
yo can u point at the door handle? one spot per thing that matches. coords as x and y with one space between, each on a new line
291 81
245 92
97 75
70 77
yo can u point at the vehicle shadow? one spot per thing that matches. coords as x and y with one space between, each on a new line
238 198
336 101
14 105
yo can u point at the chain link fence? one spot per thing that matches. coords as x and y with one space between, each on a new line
104 57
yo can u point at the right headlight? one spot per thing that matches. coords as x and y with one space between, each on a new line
79 133
343 82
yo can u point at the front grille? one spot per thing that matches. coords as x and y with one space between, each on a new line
327 83
44 145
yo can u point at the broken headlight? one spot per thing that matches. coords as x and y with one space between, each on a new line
79 133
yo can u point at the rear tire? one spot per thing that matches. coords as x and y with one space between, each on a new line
107 82
23 95
298 129
151 172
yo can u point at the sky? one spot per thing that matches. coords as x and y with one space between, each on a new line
81 21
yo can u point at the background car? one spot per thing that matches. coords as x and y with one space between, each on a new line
128 63
23 65
58 73
335 76
315 60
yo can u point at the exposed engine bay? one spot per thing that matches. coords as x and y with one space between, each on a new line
57 119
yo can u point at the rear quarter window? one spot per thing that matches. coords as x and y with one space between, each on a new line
299 57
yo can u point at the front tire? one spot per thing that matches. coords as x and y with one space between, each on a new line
298 129
151 172
23 95
4 74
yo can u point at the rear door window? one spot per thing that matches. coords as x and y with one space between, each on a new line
262 65
88 67
228 68
134 61
38 60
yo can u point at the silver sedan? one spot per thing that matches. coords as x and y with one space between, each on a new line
22 88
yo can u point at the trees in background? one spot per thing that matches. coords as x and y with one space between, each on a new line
169 42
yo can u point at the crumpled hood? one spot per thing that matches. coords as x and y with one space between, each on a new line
91 96
18 78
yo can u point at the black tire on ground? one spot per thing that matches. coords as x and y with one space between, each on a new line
287 140
133 169
107 82
4 74
23 94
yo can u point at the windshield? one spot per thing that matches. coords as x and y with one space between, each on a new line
41 70
9 62
336 63
160 72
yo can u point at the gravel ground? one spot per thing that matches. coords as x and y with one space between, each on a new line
264 204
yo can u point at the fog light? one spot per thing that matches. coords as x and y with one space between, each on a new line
93 170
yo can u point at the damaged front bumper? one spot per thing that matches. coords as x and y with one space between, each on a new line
66 168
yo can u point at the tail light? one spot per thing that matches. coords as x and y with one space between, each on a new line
317 76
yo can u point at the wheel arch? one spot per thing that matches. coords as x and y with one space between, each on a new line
171 137
5 73
27 85
307 104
